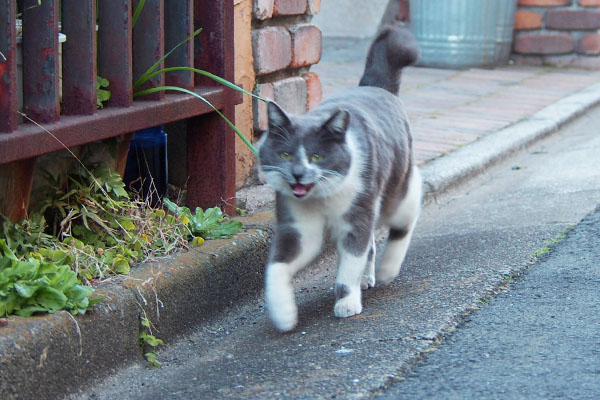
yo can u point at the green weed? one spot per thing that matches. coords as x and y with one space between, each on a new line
146 338
209 224
85 227
39 284
103 94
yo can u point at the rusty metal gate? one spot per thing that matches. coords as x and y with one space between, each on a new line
101 41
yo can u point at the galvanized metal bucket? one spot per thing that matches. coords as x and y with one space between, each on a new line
463 33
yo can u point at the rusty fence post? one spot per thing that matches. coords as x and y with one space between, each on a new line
114 50
179 24
16 179
8 66
211 143
40 60
79 57
149 45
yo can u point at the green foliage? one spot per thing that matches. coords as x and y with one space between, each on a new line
146 338
37 284
102 93
154 71
26 236
209 224
101 228
86 224
95 224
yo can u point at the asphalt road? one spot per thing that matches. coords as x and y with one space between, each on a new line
466 248
540 339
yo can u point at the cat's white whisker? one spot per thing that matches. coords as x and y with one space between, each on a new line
271 168
331 172
286 138
327 185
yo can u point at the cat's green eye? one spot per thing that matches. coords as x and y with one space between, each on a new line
285 156
316 158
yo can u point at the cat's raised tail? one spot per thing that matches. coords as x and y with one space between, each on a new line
394 48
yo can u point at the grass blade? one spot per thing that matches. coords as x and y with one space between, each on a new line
146 75
137 12
214 77
236 130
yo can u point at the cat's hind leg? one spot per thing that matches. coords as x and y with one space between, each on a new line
293 247
401 225
368 278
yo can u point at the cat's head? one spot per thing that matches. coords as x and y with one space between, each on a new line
305 155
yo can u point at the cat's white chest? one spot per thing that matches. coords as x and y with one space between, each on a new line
330 213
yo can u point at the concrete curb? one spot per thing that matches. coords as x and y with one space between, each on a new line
449 170
52 355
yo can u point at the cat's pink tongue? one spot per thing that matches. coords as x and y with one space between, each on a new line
300 190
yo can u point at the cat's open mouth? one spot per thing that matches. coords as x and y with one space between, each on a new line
301 190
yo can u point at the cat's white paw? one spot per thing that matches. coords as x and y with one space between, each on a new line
279 296
284 316
384 277
367 281
347 306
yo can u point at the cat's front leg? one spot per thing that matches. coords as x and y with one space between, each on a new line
293 247
279 296
353 255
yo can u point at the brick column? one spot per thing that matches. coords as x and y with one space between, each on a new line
558 32
285 44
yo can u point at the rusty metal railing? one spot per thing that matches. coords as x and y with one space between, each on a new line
120 53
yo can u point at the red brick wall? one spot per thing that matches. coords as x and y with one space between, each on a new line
285 45
558 32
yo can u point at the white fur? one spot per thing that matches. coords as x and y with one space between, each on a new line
405 217
350 272
279 292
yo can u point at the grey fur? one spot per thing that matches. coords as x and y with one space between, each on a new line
362 219
397 234
371 254
286 244
393 48
344 168
341 291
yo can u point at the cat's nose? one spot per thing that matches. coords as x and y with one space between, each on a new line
297 176
297 172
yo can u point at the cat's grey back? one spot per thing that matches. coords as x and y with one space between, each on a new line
380 128
371 109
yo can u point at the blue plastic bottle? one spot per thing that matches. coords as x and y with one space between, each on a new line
146 169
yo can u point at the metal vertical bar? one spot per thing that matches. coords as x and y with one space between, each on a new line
40 60
179 25
122 152
8 66
16 179
114 50
79 57
211 143
149 45
210 45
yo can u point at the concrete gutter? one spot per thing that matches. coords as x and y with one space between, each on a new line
50 356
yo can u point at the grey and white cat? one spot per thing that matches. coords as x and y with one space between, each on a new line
343 169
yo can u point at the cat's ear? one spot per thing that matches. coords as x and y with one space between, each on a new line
277 117
338 123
